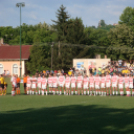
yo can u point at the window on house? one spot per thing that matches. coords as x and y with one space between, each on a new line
1 69
15 69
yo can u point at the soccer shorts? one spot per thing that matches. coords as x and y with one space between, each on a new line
14 84
39 85
126 85
120 86
108 84
91 86
97 87
102 85
79 85
18 85
33 85
85 86
61 84
44 86
130 85
114 84
67 85
73 85
54 85
29 85
50 85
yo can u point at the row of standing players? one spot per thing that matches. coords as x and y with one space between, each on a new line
92 85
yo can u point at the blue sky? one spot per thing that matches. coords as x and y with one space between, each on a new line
35 11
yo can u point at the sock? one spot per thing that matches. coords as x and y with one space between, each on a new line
99 93
113 92
53 91
33 92
46 92
72 92
132 92
88 92
64 92
42 92
84 92
76 92
5 91
116 92
39 92
27 91
30 91
121 92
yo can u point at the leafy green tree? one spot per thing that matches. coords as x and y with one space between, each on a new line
121 42
39 58
127 16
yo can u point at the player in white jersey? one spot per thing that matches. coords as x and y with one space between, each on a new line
120 84
29 91
73 84
67 84
91 84
114 81
103 85
126 81
133 87
79 84
108 83
85 85
97 81
131 83
44 84
34 84
61 83
55 83
50 83
39 83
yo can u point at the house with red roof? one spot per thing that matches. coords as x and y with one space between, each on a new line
10 59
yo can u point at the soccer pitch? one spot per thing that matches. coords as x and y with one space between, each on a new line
54 114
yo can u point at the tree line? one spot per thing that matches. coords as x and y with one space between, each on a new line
71 39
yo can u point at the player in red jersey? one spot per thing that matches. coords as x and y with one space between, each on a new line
29 91
85 85
73 84
79 84
120 84
126 80
67 84
44 85
91 84
103 85
108 83
55 83
114 81
39 83
34 84
61 83
50 83
97 81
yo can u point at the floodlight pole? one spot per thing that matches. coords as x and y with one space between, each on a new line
52 55
20 5
20 41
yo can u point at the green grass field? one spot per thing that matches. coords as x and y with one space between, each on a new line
24 114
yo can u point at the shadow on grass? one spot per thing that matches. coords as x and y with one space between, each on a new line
75 119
